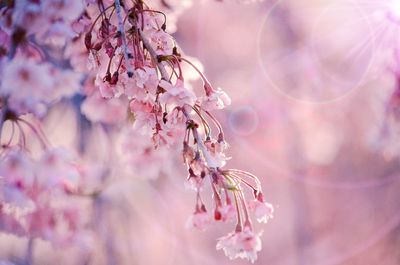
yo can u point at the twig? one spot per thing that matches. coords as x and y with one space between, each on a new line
164 75
123 37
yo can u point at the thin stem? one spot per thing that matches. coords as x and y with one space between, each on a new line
2 116
245 209
242 180
155 11
245 173
11 136
42 142
206 126
197 70
243 202
22 138
200 144
239 219
123 37
216 122
97 18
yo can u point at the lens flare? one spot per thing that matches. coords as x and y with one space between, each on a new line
394 11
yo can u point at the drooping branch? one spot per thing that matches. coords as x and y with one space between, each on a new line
165 76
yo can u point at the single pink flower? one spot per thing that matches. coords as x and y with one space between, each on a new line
217 151
177 94
144 81
144 113
139 157
109 111
241 244
228 212
216 99
263 211
200 219
161 42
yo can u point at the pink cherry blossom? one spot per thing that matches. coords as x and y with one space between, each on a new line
161 42
176 95
145 81
110 111
56 168
140 158
27 83
151 22
29 86
216 99
217 152
17 174
241 244
144 112
200 219
263 211
106 89
228 212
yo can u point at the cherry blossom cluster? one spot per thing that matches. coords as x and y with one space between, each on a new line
37 191
35 195
118 56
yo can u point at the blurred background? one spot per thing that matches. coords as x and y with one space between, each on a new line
309 82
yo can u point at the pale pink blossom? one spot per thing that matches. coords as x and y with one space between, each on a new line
172 128
195 183
26 79
263 211
217 99
167 136
139 157
241 244
16 175
41 183
56 168
217 151
30 85
177 94
144 81
161 42
66 84
144 113
198 164
106 89
151 21
176 119
200 219
109 111
228 212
